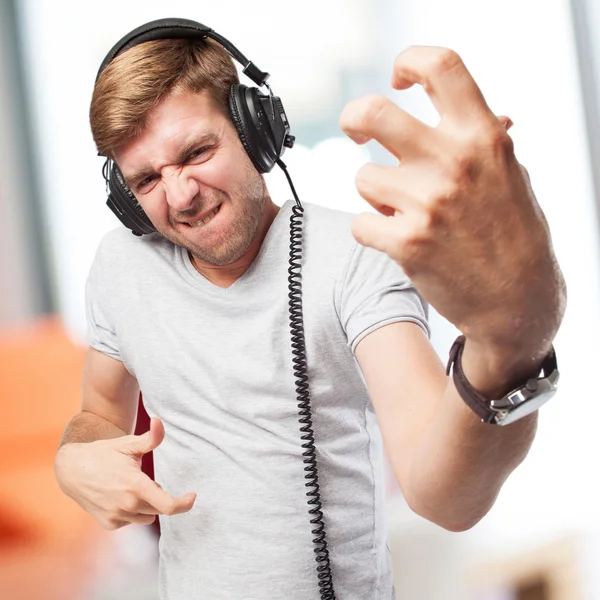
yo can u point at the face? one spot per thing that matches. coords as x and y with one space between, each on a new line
191 175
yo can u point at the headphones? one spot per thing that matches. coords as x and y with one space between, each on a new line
259 119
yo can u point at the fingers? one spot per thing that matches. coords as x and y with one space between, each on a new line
163 502
144 508
381 233
141 519
135 507
383 189
377 117
138 445
391 189
125 519
407 189
446 80
452 89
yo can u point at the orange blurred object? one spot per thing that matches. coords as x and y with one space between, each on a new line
48 544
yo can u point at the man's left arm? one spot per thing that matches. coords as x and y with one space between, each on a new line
459 216
449 465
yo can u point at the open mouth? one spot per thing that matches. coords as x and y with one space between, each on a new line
207 219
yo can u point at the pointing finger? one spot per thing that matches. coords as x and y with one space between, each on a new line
142 518
163 502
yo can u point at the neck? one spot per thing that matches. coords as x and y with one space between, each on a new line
224 276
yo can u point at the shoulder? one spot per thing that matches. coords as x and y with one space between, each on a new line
328 243
127 266
333 220
120 239
328 229
120 244
332 229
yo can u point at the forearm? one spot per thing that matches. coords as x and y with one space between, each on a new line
89 427
460 463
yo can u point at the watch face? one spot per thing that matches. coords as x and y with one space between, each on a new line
523 409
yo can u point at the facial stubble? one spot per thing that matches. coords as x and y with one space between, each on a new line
248 205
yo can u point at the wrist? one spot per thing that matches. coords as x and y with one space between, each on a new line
525 320
509 393
494 369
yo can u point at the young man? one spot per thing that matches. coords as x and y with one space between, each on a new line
196 315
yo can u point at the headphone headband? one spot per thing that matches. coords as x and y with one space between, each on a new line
165 29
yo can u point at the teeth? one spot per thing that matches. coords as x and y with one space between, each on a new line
206 219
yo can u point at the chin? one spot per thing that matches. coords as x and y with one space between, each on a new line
222 252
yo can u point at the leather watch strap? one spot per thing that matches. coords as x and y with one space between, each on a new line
468 393
478 403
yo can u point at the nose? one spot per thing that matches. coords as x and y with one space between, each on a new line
180 189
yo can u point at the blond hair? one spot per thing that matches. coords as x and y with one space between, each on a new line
138 80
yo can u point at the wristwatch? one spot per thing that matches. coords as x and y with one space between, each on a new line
515 405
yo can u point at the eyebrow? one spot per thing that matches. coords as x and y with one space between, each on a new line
196 142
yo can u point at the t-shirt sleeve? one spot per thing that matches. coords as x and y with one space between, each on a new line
100 330
375 292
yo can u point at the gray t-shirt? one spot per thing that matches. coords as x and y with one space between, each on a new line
215 364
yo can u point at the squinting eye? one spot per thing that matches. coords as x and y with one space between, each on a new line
197 153
145 182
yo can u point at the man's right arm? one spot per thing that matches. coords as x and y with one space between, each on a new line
109 404
98 463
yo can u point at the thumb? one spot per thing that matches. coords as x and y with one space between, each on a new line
146 442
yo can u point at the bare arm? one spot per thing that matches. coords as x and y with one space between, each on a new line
458 214
98 463
449 465
109 404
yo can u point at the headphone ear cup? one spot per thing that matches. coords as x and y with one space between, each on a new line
124 204
252 127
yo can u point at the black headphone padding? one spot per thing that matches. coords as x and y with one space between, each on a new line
249 119
124 203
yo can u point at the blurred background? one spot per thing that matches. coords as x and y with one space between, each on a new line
537 61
